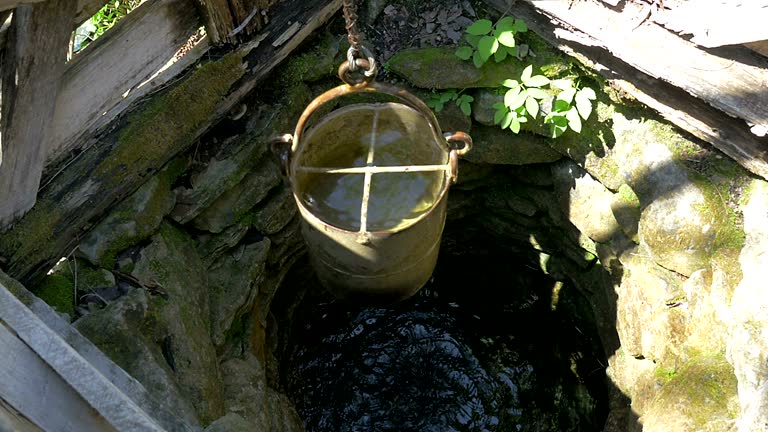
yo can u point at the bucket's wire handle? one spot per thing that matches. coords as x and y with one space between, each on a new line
281 149
452 137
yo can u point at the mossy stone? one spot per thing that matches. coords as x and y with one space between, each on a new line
700 396
58 292
493 145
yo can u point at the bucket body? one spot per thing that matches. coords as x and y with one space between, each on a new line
371 183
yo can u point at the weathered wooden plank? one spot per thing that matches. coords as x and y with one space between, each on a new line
734 87
715 23
12 4
161 410
13 421
728 134
166 125
105 78
228 20
35 390
48 359
32 68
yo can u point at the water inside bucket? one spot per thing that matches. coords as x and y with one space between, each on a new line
371 138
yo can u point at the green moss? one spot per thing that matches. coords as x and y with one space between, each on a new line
665 374
321 61
628 195
58 292
26 236
702 389
171 121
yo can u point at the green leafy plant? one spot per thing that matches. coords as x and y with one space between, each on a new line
521 100
437 101
486 39
101 21
569 107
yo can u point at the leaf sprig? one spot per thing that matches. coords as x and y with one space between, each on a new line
521 100
486 39
570 106
437 101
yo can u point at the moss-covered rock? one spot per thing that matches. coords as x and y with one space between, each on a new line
170 262
493 145
273 215
130 222
699 397
233 282
439 68
58 292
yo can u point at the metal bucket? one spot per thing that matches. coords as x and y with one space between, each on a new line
371 183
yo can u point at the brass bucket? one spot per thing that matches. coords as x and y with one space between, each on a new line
371 183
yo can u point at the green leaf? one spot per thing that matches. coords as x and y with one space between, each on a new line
536 81
480 27
464 52
487 46
574 121
538 93
500 54
583 105
520 26
561 106
515 125
588 93
510 83
510 95
499 115
561 84
508 119
532 106
507 38
478 60
438 106
465 108
567 95
473 40
499 106
557 130
505 24
522 119
465 98
518 100
526 73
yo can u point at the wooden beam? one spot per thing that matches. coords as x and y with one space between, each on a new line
229 20
108 75
734 87
714 23
54 385
13 4
32 68
106 173
728 134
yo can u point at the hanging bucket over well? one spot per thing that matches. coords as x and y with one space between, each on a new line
371 183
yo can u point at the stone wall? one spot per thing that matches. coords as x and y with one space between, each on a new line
664 236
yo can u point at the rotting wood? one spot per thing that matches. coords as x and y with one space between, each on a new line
739 89
109 171
715 23
51 370
12 420
104 78
725 133
228 20
32 68
12 4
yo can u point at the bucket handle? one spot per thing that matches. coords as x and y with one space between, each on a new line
281 149
464 138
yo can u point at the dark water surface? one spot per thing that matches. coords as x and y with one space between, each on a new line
480 348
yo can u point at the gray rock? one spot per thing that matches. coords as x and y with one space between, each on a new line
586 201
234 281
236 202
133 220
247 395
274 214
496 146
747 342
171 263
126 333
231 423
626 209
482 108
211 246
